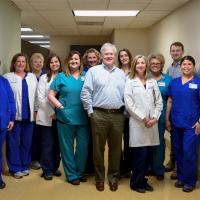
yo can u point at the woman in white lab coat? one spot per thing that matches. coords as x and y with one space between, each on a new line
144 104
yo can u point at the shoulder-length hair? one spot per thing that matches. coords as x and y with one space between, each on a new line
133 72
129 55
91 50
158 57
14 59
66 65
48 69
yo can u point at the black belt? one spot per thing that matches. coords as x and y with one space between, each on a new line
120 110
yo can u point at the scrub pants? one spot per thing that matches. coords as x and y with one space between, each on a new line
186 149
125 158
139 163
74 162
2 139
36 143
19 146
158 152
50 153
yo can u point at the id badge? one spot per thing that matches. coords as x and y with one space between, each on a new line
192 86
161 84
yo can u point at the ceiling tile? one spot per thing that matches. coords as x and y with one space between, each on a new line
91 30
117 22
127 6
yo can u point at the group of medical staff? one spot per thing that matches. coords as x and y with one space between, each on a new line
42 117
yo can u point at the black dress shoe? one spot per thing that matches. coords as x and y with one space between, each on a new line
57 173
48 177
2 185
83 179
148 187
140 190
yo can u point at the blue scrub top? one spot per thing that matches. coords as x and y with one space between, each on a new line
25 100
69 89
185 110
163 85
85 68
7 104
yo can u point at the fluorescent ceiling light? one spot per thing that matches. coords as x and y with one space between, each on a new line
105 13
45 46
26 29
32 36
39 42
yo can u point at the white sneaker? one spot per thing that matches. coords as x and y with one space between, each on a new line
17 175
25 172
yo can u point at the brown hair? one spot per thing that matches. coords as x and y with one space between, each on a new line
133 72
14 59
48 69
129 55
67 69
178 44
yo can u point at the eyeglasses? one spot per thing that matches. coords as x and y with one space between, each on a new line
155 64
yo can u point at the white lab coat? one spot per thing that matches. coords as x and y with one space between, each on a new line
16 85
142 102
45 109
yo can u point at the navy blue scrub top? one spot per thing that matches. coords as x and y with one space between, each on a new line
185 110
25 100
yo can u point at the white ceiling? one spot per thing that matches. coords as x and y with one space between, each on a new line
54 17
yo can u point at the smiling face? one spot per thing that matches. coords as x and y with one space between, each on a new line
92 59
54 64
140 67
20 64
155 66
37 64
124 58
187 68
108 57
176 53
74 62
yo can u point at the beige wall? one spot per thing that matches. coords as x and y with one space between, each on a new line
10 40
136 40
61 45
182 25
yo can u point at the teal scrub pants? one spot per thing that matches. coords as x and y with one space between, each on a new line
158 152
74 161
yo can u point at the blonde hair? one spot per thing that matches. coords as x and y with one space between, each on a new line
35 56
158 57
133 72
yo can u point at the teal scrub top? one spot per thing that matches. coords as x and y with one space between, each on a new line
68 90
163 85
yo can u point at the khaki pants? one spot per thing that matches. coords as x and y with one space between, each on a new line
107 127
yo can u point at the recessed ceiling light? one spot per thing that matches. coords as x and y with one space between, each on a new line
26 30
32 36
39 42
105 13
